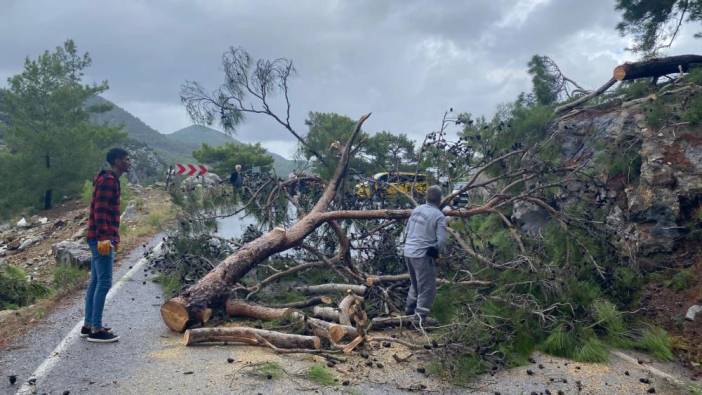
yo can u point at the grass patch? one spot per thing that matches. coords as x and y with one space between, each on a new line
560 342
269 370
170 284
592 350
320 374
67 277
656 342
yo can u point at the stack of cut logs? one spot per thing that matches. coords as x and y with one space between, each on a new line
343 327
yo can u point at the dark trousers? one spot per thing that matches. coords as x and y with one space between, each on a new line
423 285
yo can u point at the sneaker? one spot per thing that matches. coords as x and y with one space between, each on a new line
102 336
85 330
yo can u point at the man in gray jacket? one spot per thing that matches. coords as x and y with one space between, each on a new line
425 235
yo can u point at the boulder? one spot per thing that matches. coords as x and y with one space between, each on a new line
28 242
72 252
130 213
23 223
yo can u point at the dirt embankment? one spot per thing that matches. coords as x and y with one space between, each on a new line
32 247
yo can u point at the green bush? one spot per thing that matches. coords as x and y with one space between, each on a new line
681 280
693 114
68 276
16 291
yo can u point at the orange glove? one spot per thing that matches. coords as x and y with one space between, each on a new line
103 247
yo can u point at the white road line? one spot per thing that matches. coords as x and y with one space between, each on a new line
72 336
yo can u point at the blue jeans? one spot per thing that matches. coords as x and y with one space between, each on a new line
100 283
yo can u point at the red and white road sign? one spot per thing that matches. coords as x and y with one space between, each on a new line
191 169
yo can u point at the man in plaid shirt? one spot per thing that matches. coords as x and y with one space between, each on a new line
103 239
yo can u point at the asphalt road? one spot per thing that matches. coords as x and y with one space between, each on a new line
149 359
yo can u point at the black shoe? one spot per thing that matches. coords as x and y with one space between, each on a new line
85 331
102 336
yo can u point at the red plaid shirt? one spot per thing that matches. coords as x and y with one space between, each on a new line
103 223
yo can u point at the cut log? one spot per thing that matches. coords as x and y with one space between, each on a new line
239 308
249 336
329 330
405 320
313 301
349 308
177 317
656 67
326 313
332 288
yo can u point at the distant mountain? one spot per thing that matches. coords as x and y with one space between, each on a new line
195 135
177 146
171 150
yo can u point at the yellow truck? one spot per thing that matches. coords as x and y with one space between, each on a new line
388 185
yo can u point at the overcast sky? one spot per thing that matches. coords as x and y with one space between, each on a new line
405 61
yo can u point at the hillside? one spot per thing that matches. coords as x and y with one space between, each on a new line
171 150
177 146
194 136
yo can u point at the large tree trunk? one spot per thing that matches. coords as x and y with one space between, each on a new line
211 290
656 67
249 336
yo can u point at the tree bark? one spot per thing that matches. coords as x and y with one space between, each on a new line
326 313
313 301
239 308
331 288
654 68
249 336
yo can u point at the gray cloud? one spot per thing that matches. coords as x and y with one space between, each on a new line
407 61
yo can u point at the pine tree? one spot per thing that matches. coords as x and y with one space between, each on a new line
51 146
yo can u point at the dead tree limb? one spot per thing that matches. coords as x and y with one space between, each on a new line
313 301
249 336
331 288
388 278
586 98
